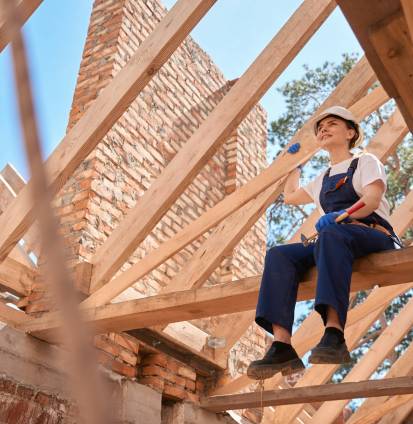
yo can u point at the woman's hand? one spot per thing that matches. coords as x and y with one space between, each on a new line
328 219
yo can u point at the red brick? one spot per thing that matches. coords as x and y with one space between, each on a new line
25 392
174 392
124 369
189 384
187 373
154 382
155 359
7 386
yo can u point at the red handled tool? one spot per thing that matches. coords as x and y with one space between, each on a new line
307 240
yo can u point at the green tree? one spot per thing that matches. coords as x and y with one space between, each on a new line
302 97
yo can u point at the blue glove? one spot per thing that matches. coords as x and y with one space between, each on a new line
327 219
294 148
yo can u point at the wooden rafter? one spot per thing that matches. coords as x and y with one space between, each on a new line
402 367
201 146
358 80
392 335
382 31
104 112
325 392
407 6
25 9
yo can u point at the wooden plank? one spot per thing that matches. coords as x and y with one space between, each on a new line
392 42
11 316
362 16
25 9
100 116
13 178
325 392
234 296
392 335
11 183
399 415
407 6
357 81
201 146
386 139
311 330
16 277
402 367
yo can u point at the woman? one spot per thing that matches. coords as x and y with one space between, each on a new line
348 181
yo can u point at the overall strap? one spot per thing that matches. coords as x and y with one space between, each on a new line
352 167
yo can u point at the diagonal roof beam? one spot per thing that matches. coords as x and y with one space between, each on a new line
25 9
104 112
202 145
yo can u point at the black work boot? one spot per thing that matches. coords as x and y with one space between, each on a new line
280 357
332 349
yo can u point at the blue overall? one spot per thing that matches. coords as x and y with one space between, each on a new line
333 254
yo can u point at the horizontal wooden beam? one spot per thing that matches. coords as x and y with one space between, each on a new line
407 6
321 393
385 268
100 116
25 9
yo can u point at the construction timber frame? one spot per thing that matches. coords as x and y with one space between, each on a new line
385 31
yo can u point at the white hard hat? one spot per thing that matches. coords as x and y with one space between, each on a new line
345 114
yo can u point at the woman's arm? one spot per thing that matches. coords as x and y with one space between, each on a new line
372 194
293 194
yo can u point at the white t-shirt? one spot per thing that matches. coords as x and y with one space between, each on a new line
369 169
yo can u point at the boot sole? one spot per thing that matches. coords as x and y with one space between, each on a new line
262 372
326 356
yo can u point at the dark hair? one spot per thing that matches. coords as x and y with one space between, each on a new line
350 125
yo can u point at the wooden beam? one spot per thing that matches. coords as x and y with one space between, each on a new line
393 267
12 317
399 415
373 414
354 84
13 178
100 116
392 42
402 367
201 146
323 393
386 139
407 6
11 183
16 277
392 335
390 56
25 9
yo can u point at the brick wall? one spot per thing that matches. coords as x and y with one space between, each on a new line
139 146
22 404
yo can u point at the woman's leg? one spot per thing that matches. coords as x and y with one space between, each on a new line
284 266
335 251
336 248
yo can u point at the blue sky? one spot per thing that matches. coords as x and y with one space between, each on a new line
233 33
